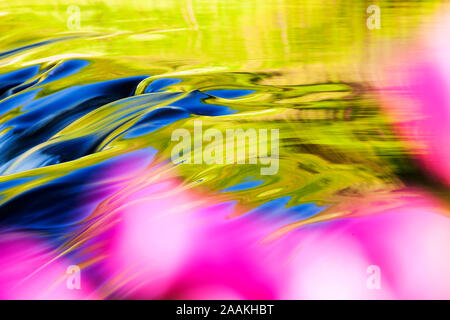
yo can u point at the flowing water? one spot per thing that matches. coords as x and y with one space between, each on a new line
83 101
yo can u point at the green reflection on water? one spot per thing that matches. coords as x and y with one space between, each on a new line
304 59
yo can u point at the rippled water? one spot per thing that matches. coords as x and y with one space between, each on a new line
86 112
54 141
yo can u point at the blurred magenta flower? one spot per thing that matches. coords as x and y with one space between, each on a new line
31 270
415 91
